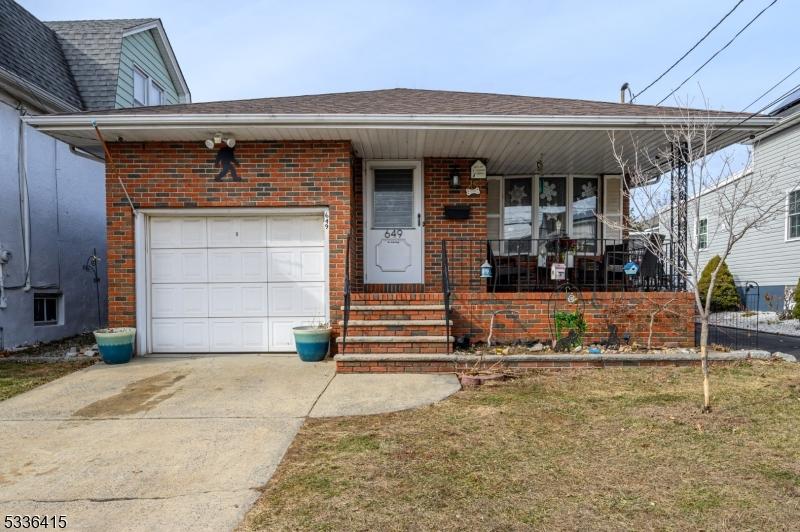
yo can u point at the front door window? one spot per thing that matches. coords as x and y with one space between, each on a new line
393 198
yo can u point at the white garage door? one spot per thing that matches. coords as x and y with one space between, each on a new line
234 284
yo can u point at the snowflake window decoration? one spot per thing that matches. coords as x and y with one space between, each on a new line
517 195
588 190
548 191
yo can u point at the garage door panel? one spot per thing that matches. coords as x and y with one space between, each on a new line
295 231
296 264
237 232
236 265
178 266
297 299
176 335
177 233
236 299
281 337
238 334
180 301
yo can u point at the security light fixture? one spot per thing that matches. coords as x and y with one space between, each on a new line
217 139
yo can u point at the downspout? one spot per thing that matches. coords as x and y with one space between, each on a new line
24 201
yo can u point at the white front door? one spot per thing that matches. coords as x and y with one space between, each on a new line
393 222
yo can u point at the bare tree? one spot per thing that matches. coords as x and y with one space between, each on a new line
741 202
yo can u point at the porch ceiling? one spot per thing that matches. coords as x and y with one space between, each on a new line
509 146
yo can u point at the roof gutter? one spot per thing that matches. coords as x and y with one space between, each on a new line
33 94
783 124
523 122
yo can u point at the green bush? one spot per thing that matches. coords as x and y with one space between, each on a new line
796 309
724 296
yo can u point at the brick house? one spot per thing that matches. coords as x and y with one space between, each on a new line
231 222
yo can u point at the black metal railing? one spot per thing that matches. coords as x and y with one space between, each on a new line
544 264
347 290
736 329
446 292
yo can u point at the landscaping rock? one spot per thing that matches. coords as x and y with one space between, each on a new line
784 356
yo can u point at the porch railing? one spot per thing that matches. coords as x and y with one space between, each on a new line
531 265
446 291
347 290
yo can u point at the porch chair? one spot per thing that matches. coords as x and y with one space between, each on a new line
614 258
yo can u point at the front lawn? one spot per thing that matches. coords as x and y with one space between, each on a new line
18 377
594 449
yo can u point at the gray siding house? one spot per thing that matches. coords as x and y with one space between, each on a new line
769 256
52 205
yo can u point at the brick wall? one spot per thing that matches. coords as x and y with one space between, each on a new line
673 325
181 175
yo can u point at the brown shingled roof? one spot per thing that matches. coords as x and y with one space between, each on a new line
414 102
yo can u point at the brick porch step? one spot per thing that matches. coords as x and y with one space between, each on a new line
395 306
396 312
396 344
395 327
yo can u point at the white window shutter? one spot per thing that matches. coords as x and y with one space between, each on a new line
612 207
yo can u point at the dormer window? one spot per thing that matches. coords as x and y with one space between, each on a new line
140 86
156 95
145 90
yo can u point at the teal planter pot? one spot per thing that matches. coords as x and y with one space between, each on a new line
312 342
116 344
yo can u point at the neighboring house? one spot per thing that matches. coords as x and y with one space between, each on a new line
245 218
52 206
769 256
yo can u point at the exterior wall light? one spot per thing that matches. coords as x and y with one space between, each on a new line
486 270
455 181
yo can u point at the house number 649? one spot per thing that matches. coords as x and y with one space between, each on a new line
394 233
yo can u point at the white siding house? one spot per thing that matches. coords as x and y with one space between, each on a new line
769 256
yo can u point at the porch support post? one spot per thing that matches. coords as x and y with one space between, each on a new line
679 213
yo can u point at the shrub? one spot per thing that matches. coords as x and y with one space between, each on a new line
724 296
796 296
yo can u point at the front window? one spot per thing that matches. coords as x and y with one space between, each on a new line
584 212
517 209
702 234
552 217
793 215
543 208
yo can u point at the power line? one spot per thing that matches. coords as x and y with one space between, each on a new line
681 58
771 89
762 109
676 89
752 115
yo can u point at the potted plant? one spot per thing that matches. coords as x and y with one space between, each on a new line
115 344
312 341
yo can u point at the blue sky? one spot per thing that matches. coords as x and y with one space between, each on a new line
574 49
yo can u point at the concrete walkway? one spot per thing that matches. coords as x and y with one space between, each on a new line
175 443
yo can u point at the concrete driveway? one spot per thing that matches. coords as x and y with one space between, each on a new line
174 443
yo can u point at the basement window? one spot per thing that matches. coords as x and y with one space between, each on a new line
46 308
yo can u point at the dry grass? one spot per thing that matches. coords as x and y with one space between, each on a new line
19 377
606 449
